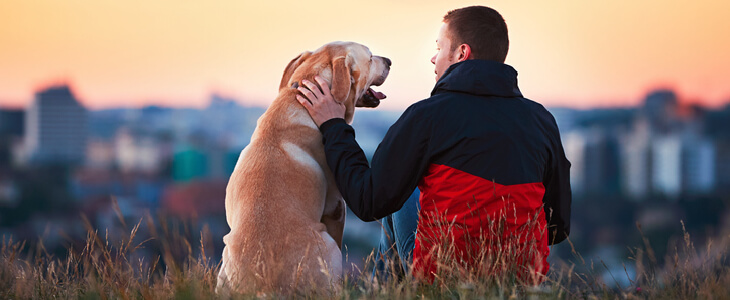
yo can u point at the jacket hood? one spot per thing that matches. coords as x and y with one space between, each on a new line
479 77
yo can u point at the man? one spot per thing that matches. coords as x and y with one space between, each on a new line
489 164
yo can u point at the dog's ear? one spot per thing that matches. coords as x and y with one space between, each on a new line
340 78
293 64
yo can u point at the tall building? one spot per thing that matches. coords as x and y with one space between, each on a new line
11 132
574 143
667 165
11 122
636 161
55 128
594 156
699 165
684 164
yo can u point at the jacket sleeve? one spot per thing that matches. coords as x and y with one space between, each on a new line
558 196
375 191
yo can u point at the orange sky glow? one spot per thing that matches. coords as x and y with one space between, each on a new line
568 53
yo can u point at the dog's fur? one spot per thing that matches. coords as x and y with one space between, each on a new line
282 204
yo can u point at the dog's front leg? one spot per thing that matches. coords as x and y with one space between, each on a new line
334 217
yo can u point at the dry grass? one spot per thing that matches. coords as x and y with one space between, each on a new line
108 268
113 268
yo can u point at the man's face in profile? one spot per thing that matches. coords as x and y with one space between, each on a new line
444 57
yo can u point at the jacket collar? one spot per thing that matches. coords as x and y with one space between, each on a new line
479 77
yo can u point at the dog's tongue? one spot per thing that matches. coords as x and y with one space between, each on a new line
378 95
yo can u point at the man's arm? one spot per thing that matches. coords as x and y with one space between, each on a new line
558 196
397 165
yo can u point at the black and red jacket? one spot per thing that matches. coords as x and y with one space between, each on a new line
478 151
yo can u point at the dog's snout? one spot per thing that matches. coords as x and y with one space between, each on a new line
387 61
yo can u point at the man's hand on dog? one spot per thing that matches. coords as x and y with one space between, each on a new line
319 103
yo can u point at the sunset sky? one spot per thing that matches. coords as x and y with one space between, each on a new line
177 52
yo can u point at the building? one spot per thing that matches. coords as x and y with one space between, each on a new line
698 165
142 151
100 154
667 165
11 132
575 145
684 164
722 169
137 190
195 199
55 128
636 161
594 157
661 109
11 122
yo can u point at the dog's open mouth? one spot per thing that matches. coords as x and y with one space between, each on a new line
375 94
371 98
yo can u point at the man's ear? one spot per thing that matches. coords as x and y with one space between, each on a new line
289 70
464 52
340 79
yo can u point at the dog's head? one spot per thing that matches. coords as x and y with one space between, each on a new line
349 68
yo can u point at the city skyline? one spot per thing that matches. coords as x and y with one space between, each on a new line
658 148
568 53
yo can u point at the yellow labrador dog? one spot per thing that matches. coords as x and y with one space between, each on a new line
282 205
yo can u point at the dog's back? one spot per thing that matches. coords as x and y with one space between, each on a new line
274 204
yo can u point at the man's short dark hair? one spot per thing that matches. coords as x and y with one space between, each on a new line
482 28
